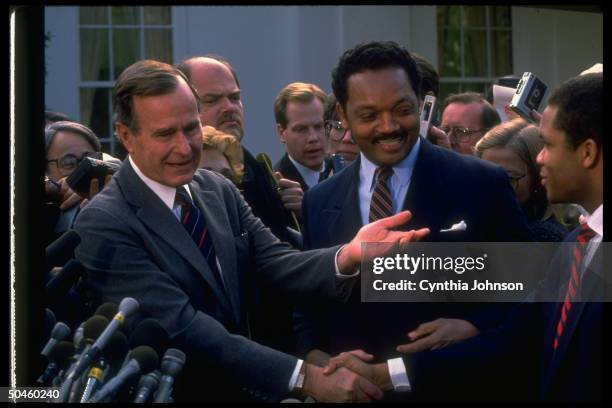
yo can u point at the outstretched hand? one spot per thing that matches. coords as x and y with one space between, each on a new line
358 362
380 231
437 334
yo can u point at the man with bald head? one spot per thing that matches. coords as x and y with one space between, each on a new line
218 87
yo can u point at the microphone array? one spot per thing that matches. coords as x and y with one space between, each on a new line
104 363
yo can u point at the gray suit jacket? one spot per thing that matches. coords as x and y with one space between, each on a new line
132 245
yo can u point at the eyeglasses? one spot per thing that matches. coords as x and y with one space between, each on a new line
514 179
462 135
68 162
337 126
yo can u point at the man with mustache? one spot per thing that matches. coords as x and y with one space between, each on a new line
219 89
377 86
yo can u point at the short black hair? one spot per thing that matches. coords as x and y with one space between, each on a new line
52 117
579 103
373 55
489 117
430 80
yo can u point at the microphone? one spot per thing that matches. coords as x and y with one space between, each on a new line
60 332
126 308
50 321
93 327
108 310
266 163
171 366
59 358
62 249
77 339
149 332
115 350
60 284
143 359
146 386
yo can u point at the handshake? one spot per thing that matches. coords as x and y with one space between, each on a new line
347 377
351 377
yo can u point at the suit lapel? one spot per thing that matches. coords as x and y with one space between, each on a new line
289 171
161 221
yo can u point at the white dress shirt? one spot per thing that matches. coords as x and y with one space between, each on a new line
310 176
595 222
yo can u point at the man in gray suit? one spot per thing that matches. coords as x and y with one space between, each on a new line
139 239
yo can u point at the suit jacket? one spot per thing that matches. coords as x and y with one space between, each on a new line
445 188
132 245
289 171
522 346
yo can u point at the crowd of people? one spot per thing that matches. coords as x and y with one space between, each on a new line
253 269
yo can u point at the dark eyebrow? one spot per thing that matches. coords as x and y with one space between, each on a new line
164 131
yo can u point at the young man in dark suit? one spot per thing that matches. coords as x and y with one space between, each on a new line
558 347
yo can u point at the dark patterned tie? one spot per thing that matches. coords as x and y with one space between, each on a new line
381 205
193 221
573 286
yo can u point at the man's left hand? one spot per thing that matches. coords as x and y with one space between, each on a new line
291 193
378 232
358 361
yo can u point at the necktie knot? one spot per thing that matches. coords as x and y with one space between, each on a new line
182 197
383 173
586 234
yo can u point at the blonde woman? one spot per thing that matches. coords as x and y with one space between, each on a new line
222 153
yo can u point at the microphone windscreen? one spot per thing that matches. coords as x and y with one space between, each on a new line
60 331
117 347
62 352
108 310
94 326
146 357
149 332
172 362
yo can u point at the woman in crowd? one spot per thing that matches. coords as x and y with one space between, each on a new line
222 153
514 145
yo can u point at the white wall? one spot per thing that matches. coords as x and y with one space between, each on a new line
555 44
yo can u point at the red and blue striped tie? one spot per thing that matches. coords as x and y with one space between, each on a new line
381 204
573 286
193 221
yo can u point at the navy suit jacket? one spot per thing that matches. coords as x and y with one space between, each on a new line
445 188
522 346
133 245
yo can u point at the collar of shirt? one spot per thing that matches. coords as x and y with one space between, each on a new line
165 193
402 171
310 176
594 220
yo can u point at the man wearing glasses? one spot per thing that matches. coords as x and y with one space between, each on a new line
465 119
66 144
340 140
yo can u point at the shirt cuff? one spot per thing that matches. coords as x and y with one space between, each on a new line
294 376
397 372
342 275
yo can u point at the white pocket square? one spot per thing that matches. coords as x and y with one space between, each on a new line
460 226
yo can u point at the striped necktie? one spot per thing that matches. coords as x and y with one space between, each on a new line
193 221
573 286
381 205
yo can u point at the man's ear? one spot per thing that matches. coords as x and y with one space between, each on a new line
589 153
281 133
341 115
124 134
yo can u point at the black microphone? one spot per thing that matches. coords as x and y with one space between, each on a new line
59 286
143 359
114 352
60 332
62 249
265 162
146 386
93 327
59 358
150 333
126 308
171 366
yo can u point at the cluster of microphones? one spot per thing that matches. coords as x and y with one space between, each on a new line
103 363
